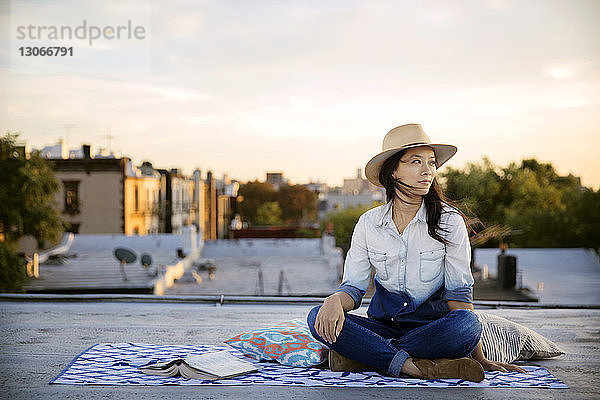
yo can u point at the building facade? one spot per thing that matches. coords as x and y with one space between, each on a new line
182 200
141 200
107 195
356 191
220 206
276 179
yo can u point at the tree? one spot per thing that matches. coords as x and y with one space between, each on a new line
344 222
255 194
477 187
534 204
585 220
27 187
297 204
268 213
542 208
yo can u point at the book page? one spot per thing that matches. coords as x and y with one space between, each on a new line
162 365
172 370
192 373
220 363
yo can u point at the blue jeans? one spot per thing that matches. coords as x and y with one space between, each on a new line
385 345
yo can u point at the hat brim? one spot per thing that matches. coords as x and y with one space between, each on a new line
443 152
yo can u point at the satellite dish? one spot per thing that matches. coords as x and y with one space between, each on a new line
124 255
146 260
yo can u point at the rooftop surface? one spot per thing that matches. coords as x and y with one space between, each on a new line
557 276
39 338
267 267
89 264
297 267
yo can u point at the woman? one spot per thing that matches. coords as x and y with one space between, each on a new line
420 319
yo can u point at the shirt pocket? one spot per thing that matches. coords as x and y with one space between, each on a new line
431 264
379 261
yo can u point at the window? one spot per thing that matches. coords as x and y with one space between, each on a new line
137 199
73 228
71 197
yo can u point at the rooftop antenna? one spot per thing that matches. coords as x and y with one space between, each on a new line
68 128
108 138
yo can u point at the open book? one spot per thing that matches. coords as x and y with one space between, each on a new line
214 365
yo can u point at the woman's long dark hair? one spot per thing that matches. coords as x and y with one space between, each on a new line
434 199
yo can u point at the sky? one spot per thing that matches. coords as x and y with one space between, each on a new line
310 88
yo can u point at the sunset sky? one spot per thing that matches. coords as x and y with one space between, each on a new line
311 87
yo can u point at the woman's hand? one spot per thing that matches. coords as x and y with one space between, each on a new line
330 319
489 365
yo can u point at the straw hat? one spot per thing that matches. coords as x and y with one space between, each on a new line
405 137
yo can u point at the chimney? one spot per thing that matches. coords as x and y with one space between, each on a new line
87 151
64 152
22 151
147 168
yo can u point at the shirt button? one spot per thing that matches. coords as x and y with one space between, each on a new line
401 286
405 304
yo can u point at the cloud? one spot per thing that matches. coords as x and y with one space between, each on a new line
570 69
179 94
233 86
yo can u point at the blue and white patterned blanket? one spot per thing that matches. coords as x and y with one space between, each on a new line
116 364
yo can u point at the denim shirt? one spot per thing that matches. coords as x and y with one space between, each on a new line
410 267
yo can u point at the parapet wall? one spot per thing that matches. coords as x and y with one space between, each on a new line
264 247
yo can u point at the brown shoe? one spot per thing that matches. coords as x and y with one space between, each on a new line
339 363
444 368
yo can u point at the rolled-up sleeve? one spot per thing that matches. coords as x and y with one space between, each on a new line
457 270
357 269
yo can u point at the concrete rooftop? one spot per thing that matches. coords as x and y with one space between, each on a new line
270 267
90 265
39 338
555 276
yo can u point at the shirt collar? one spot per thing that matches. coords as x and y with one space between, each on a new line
386 214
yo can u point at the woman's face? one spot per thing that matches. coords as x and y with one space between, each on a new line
417 169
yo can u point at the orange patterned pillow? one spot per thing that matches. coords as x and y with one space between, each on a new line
290 343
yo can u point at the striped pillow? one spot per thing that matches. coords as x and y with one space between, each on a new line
506 341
